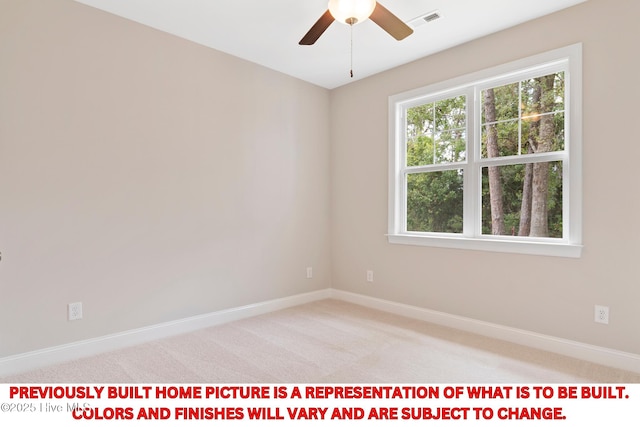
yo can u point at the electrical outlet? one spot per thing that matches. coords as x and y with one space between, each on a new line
74 311
309 272
602 314
369 276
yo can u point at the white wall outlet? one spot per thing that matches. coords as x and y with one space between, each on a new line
74 311
309 272
602 314
369 276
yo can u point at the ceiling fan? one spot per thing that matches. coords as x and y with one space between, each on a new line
351 12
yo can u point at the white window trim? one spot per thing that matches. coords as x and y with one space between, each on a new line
571 243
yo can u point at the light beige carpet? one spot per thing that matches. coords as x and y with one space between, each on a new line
327 341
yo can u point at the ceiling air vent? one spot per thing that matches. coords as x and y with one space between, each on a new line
424 19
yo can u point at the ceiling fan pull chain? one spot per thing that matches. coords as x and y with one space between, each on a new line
351 72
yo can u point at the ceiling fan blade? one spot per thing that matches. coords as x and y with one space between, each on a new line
318 28
390 23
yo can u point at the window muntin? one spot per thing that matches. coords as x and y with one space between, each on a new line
445 145
436 132
514 113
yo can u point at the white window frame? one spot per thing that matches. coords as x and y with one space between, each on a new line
567 59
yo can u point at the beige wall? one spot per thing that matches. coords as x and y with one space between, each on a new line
148 177
554 296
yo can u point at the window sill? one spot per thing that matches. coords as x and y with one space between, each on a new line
544 248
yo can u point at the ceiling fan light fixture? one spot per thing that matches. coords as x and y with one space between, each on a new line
351 11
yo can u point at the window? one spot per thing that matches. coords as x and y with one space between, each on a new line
492 160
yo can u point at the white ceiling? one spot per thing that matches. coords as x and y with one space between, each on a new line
267 31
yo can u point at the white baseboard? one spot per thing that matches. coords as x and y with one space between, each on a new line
37 359
40 358
600 355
